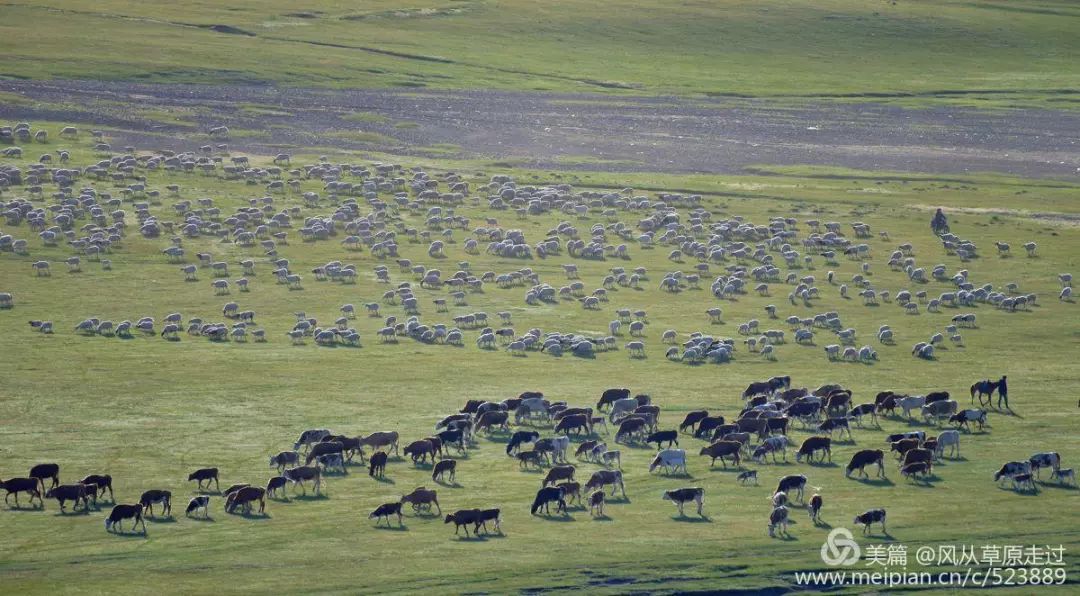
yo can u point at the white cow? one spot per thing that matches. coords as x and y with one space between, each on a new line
670 460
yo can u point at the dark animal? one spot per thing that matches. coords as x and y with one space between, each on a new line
629 427
121 512
43 471
611 396
682 496
812 445
324 448
1049 459
545 496
904 445
205 475
665 436
101 483
160 497
446 466
915 469
747 476
377 465
1011 469
864 458
420 450
276 485
795 482
300 474
913 434
872 516
815 508
861 410
520 437
559 474
596 502
934 396
487 515
720 450
529 457
245 497
492 419
70 492
604 477
385 511
584 448
455 438
918 456
574 423
834 424
422 498
692 419
707 425
981 388
463 518
571 491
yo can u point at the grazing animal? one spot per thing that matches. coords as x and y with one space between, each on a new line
318 450
962 418
121 512
101 483
1048 459
545 496
864 458
682 496
610 396
720 450
377 465
157 497
197 503
873 516
559 474
276 485
670 460
284 459
299 474
811 446
604 477
244 497
815 508
384 511
692 419
916 469
380 440
1064 476
205 475
951 439
422 498
444 467
596 503
747 476
778 520
14 486
486 515
796 482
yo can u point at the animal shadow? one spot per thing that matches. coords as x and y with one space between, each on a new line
397 528
690 519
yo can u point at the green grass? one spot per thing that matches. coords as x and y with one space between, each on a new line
369 117
149 411
918 52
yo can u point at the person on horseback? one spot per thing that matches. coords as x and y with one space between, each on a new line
939 224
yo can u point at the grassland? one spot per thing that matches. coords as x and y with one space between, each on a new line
918 52
149 411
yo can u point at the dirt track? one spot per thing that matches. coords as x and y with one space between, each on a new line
585 132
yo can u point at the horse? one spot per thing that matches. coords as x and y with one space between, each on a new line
985 387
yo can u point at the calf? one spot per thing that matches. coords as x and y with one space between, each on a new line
121 512
205 475
284 459
682 496
864 458
70 492
916 469
747 476
872 516
444 467
529 457
571 491
962 418
918 456
197 503
1024 481
596 503
1064 476
276 485
585 448
377 465
778 520
665 436
815 508
157 497
384 511
861 410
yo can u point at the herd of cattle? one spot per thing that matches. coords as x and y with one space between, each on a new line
760 432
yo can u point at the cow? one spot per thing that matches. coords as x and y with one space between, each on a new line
384 511
490 420
629 427
520 437
571 491
903 446
301 473
707 425
911 403
310 437
1047 459
122 512
486 515
856 414
284 459
585 448
100 483
420 450
1064 476
444 467
205 475
545 496
962 418
156 497
622 407
834 424
815 508
70 492
1013 468
670 460
811 446
758 426
796 482
668 436
744 478
422 498
377 464
778 520
578 423
197 503
276 485
463 518
1024 481
720 450
596 503
381 439
43 471
917 455
529 457
913 434
949 438
559 474
244 497
916 469
682 496
936 396
324 448
610 396
939 409
873 516
864 458
692 419
604 477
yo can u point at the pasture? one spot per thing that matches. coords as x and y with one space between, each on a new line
149 411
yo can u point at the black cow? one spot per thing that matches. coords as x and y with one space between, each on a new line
544 498
14 486
43 471
707 425
385 511
377 465
197 503
205 475
864 458
794 482
70 492
464 517
812 445
101 482
668 436
611 396
121 512
487 515
872 516
152 497
692 419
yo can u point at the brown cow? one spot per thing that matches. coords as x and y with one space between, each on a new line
904 445
422 498
419 450
446 466
324 448
812 445
577 423
720 450
381 439
559 473
493 419
244 497
70 492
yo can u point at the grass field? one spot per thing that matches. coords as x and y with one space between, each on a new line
993 53
149 411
